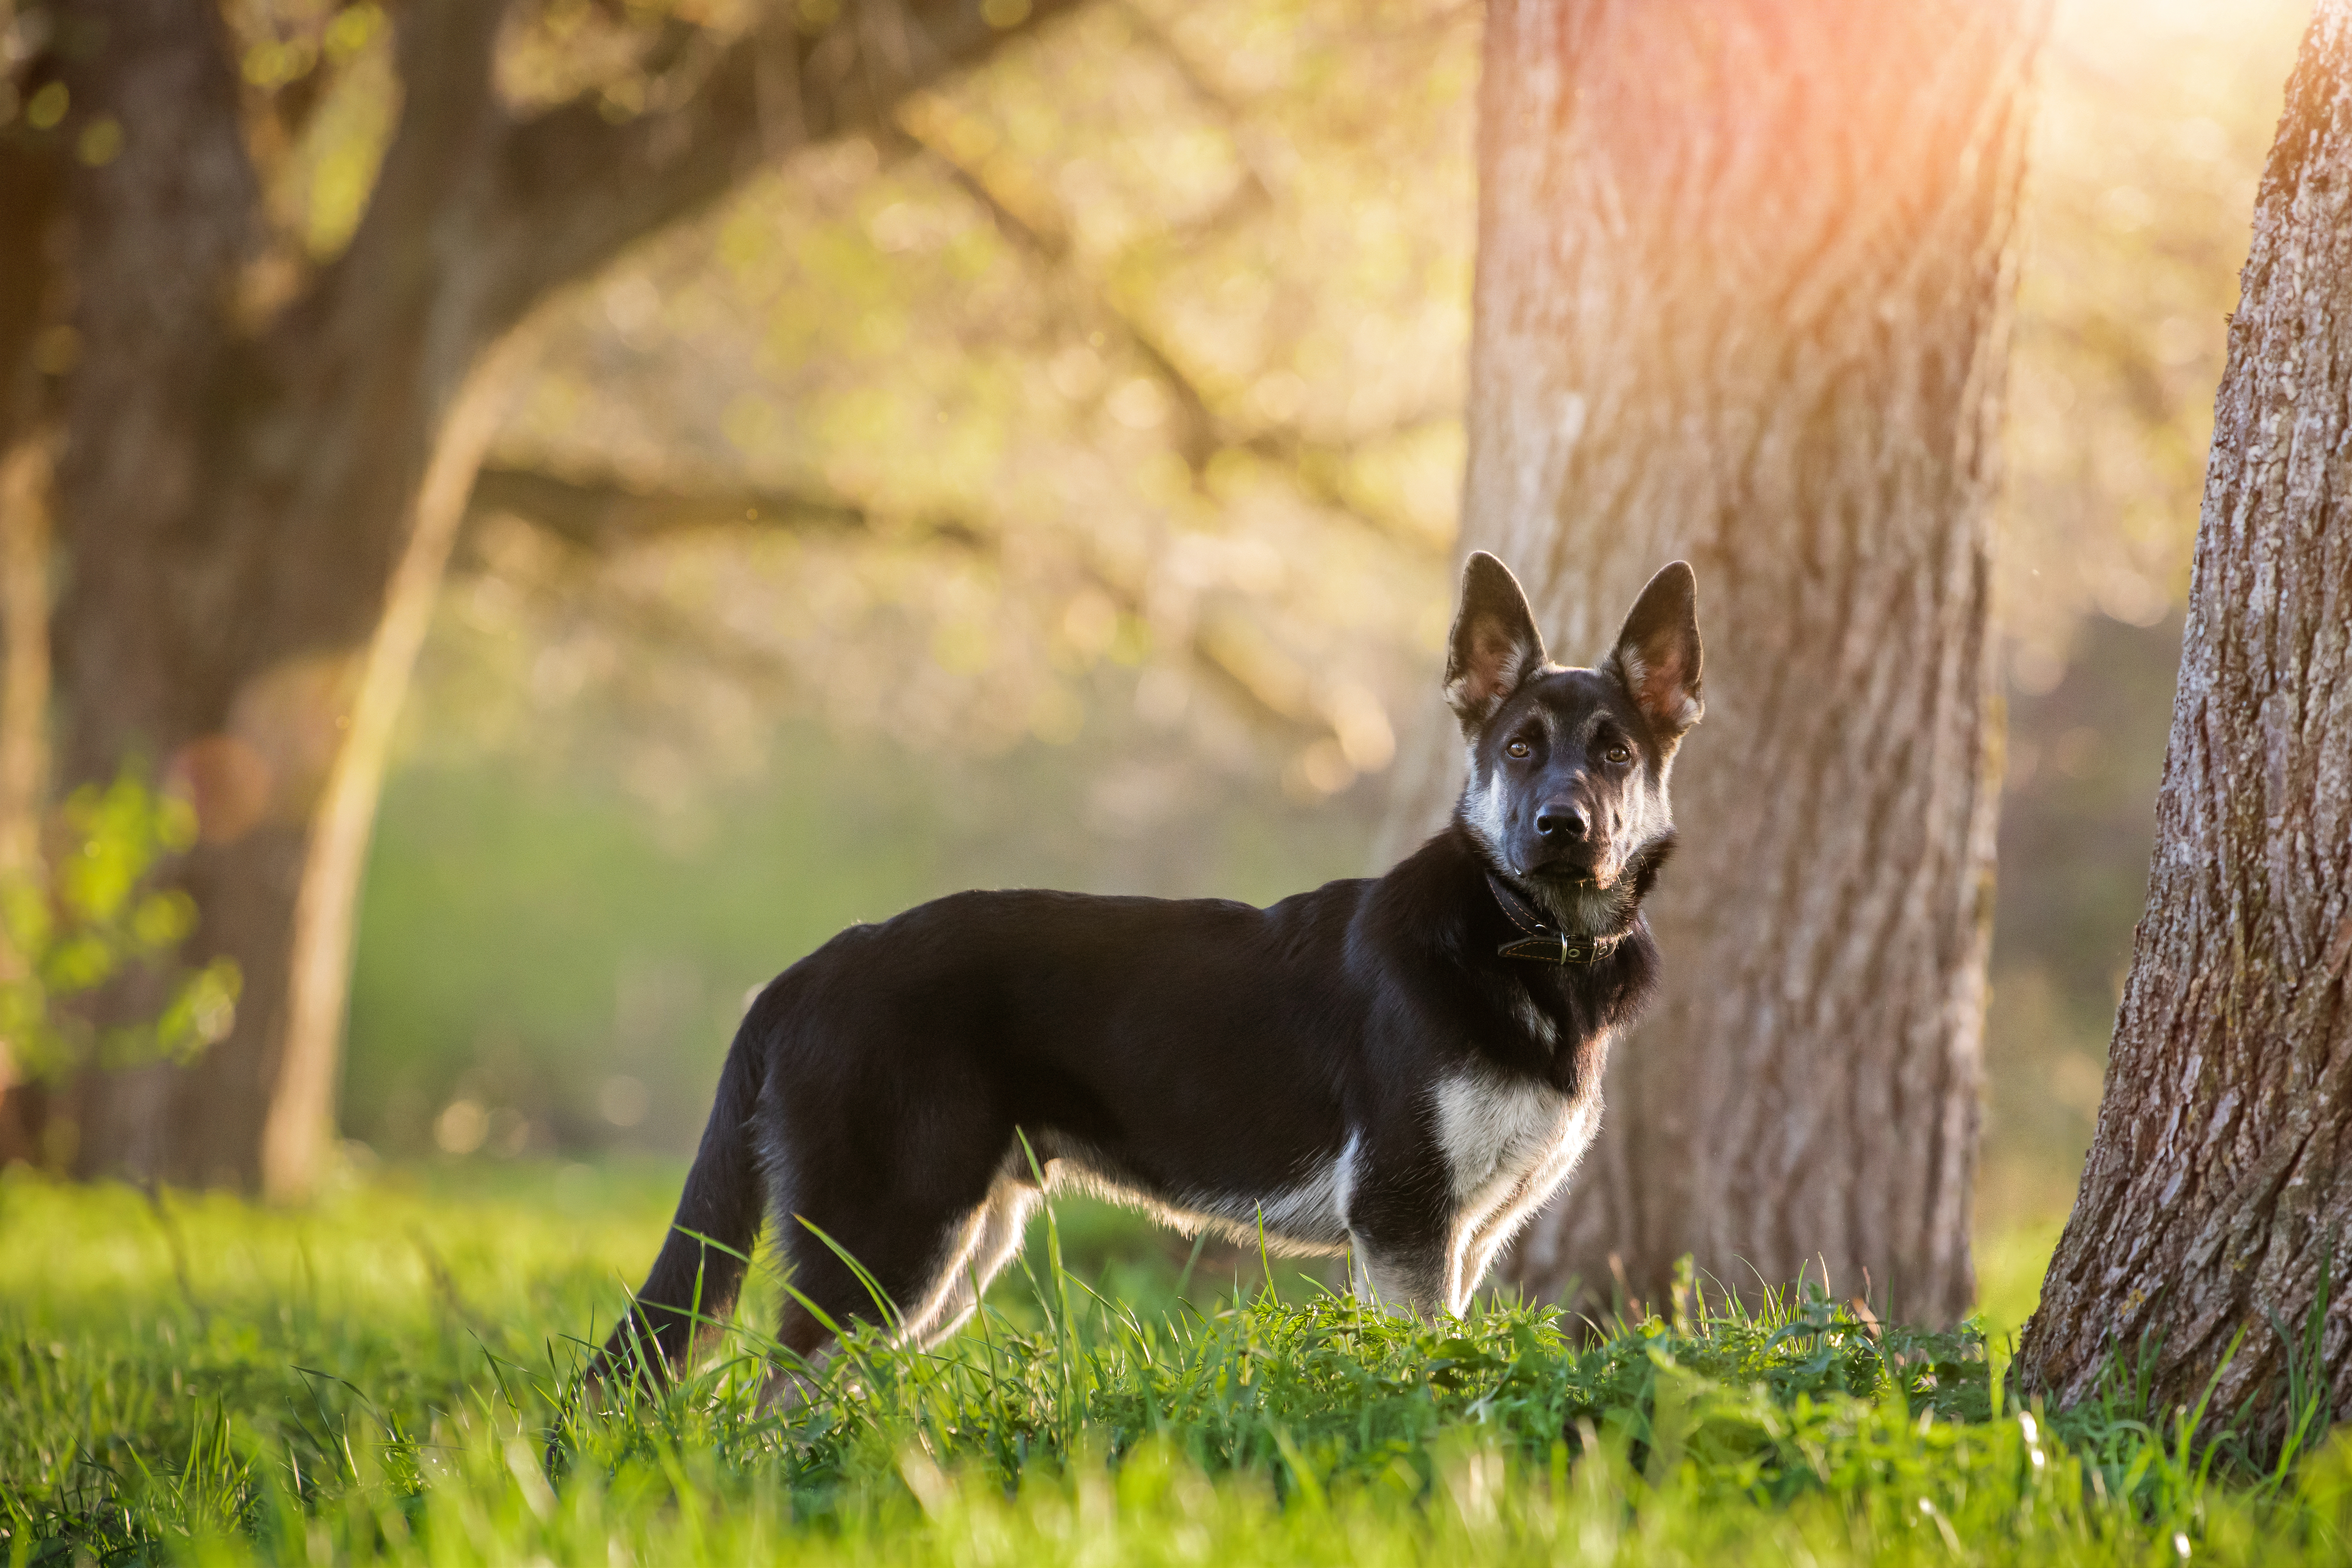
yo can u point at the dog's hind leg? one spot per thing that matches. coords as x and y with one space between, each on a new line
996 1237
901 1270
874 1283
886 1240
692 1287
990 1237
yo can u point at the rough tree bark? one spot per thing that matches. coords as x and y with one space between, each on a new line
1743 273
2220 1178
238 480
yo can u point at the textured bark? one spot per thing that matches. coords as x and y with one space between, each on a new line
2219 1179
1742 284
238 488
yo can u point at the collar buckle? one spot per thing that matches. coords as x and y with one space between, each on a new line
1553 947
1544 943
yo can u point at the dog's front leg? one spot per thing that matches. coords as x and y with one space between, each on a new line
1401 1278
1401 1221
1403 1266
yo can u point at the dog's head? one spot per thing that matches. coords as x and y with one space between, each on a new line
1566 790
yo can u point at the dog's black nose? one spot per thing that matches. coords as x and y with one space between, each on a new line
1559 820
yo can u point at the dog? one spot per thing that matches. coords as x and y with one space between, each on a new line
1401 1068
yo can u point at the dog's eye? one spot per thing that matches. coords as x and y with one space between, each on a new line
1518 749
1619 754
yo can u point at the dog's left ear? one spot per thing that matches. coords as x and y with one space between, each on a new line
1657 652
1494 645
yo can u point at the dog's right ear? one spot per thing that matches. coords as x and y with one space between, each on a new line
1657 656
1494 645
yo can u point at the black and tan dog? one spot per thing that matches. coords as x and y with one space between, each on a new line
1405 1067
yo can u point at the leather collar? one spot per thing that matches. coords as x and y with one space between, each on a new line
1545 942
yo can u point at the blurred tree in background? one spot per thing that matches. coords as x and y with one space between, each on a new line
362 206
1744 278
269 383
87 914
1059 493
2153 123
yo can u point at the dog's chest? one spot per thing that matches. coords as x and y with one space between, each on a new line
1494 1128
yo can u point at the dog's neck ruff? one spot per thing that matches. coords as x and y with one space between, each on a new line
1546 942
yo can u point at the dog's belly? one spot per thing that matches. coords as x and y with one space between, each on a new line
1497 1132
1304 1216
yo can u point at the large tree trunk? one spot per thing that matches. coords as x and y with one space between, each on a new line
1743 273
2220 1180
233 502
239 484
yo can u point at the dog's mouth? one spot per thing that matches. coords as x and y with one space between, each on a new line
1567 872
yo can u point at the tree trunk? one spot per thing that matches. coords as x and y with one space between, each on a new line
1742 298
240 485
24 739
233 504
2219 1179
301 1108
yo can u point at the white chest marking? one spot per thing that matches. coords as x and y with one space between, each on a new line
1494 1131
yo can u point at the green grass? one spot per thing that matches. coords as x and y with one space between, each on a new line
386 1378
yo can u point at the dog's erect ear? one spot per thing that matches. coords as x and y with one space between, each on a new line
1657 652
1495 645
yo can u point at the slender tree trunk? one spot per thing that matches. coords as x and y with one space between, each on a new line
24 656
1743 273
302 1102
24 736
2220 1180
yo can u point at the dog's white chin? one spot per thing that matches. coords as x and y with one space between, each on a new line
1593 907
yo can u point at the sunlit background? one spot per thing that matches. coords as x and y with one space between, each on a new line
1062 489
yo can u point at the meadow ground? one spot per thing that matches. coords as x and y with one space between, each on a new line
383 1378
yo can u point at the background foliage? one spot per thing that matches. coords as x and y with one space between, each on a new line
1061 493
88 913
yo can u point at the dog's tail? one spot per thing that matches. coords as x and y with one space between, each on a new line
700 1268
